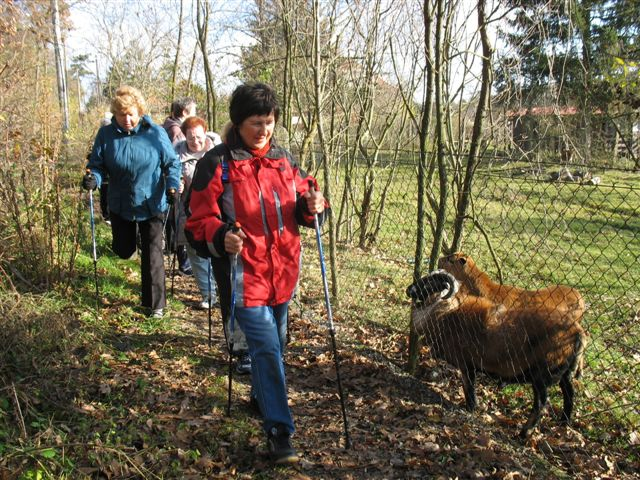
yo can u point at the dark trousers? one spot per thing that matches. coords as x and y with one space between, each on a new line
151 259
104 203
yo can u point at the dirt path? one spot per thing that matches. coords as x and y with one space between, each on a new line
165 391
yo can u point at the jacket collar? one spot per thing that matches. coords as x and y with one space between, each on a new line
239 150
145 122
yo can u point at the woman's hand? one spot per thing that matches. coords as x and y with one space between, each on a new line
233 241
315 201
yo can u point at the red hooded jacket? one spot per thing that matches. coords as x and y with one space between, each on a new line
263 194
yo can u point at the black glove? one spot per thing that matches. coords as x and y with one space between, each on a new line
89 182
172 196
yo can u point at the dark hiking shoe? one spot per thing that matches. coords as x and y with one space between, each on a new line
185 270
279 444
243 367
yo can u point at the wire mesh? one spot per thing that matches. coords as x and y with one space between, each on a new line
531 229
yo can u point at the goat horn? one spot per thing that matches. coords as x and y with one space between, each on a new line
451 282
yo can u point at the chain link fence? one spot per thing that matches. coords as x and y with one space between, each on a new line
530 226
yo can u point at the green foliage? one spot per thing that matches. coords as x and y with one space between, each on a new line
574 44
580 54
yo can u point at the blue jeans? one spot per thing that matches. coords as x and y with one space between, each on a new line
202 274
266 332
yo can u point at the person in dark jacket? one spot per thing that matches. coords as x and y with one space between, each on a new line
251 180
180 109
144 173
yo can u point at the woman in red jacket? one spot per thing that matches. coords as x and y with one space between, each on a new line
251 180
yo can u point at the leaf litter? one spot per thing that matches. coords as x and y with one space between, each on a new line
152 404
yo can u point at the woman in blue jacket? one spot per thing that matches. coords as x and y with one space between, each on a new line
142 167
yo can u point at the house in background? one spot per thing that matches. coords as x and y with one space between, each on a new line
556 133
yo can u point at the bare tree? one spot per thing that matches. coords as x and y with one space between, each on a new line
61 71
377 114
176 59
141 59
318 95
443 74
478 124
419 79
203 11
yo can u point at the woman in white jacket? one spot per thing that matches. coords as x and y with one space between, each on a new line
198 142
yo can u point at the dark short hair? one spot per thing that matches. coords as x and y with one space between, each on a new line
193 122
178 106
253 99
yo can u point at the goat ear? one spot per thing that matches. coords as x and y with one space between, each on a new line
416 289
419 290
412 291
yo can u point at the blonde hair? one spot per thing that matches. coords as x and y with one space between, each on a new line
127 97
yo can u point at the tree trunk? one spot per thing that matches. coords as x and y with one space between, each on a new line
202 21
61 74
191 67
287 75
583 10
174 70
476 136
425 126
98 84
440 57
317 83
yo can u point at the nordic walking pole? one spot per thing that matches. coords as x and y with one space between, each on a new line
93 242
164 231
332 331
167 248
209 307
176 209
232 315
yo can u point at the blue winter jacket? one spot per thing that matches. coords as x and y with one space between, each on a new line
141 165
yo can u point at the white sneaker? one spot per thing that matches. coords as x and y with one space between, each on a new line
157 313
204 304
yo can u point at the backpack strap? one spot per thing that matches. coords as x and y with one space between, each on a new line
225 165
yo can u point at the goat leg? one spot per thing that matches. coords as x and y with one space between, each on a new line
539 401
469 388
567 397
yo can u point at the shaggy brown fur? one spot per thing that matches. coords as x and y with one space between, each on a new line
542 346
564 299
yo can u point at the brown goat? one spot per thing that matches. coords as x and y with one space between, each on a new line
541 346
564 299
